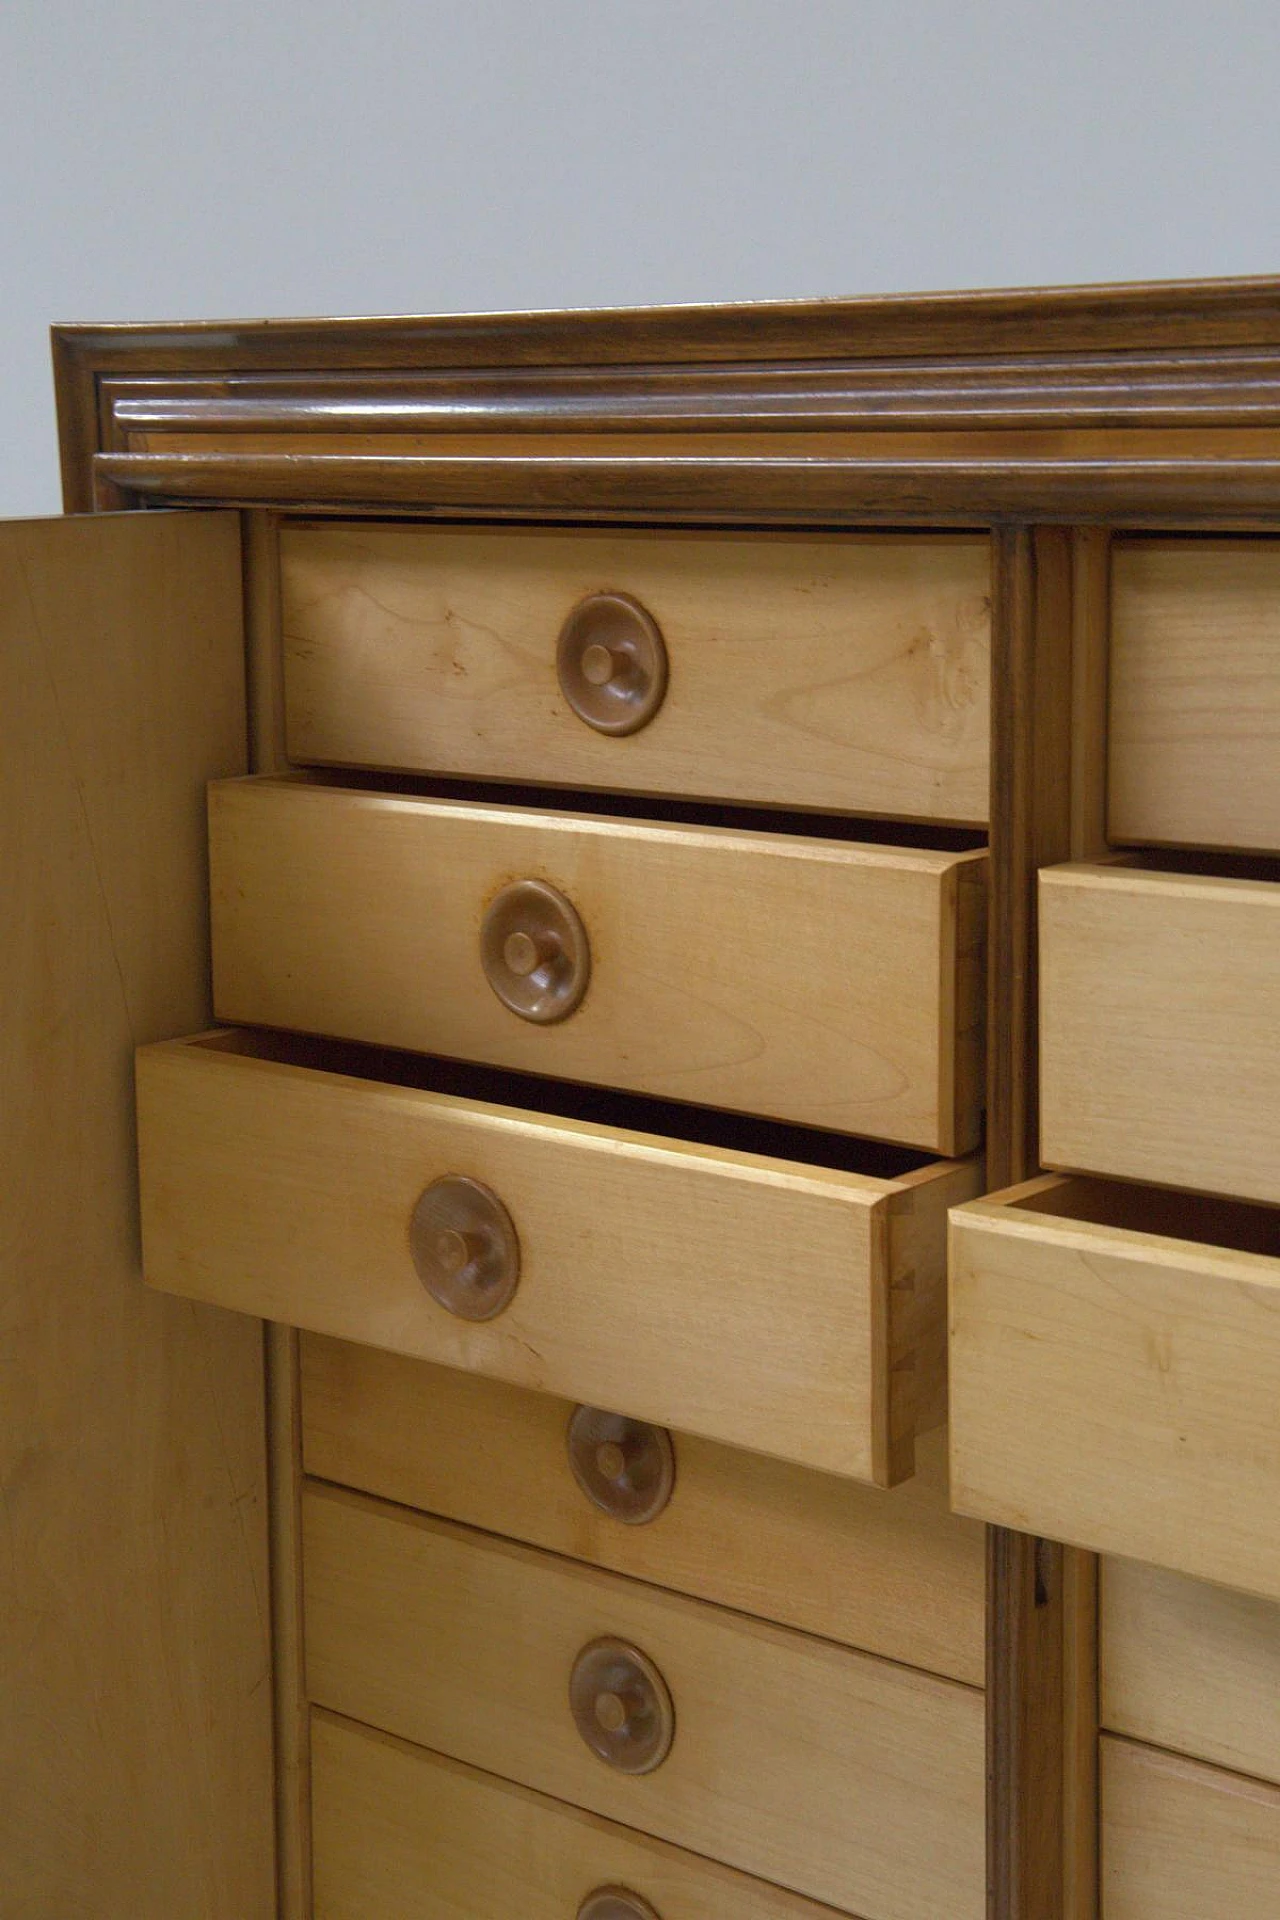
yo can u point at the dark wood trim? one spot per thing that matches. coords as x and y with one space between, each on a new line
1028 1616
1195 492
1033 392
75 389
1109 319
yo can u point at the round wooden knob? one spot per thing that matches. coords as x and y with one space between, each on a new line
465 1247
621 1706
611 663
535 952
616 1903
625 1467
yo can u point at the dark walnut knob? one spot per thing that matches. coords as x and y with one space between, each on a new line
465 1247
534 951
621 1706
616 1903
625 1467
611 663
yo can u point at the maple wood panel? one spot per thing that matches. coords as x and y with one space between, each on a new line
850 1780
135 1736
897 1574
848 674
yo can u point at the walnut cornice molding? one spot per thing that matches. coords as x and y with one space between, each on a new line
884 408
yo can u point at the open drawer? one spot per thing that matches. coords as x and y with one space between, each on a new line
1115 1373
572 1244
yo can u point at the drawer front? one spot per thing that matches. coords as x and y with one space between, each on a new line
400 1834
845 1778
1150 1364
894 1573
1182 1841
1195 693
1192 1667
1160 1028
848 673
795 1310
830 984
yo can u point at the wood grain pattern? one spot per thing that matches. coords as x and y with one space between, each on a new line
135 1740
809 980
848 674
897 1574
1195 693
846 1778
1192 1667
402 1834
1184 1842
1151 1362
287 1192
1160 1018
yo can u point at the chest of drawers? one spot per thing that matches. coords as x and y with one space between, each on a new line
606 832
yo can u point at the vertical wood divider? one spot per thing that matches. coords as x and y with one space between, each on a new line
265 683
1039 1738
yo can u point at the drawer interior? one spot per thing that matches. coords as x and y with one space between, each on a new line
604 1107
1163 1212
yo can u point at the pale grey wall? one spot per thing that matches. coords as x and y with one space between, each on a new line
163 160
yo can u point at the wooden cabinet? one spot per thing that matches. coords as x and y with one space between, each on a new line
693 798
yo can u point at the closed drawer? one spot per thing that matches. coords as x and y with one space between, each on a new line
1191 1666
847 673
1160 1028
845 1778
1182 1841
832 984
1115 1373
401 1834
796 1309
895 1573
1195 693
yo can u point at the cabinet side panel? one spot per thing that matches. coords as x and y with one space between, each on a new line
135 1743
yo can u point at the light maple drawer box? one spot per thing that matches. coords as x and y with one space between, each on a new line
849 673
1194 723
1182 1841
1160 1027
834 984
896 1573
1115 1374
796 1309
402 1834
844 1778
